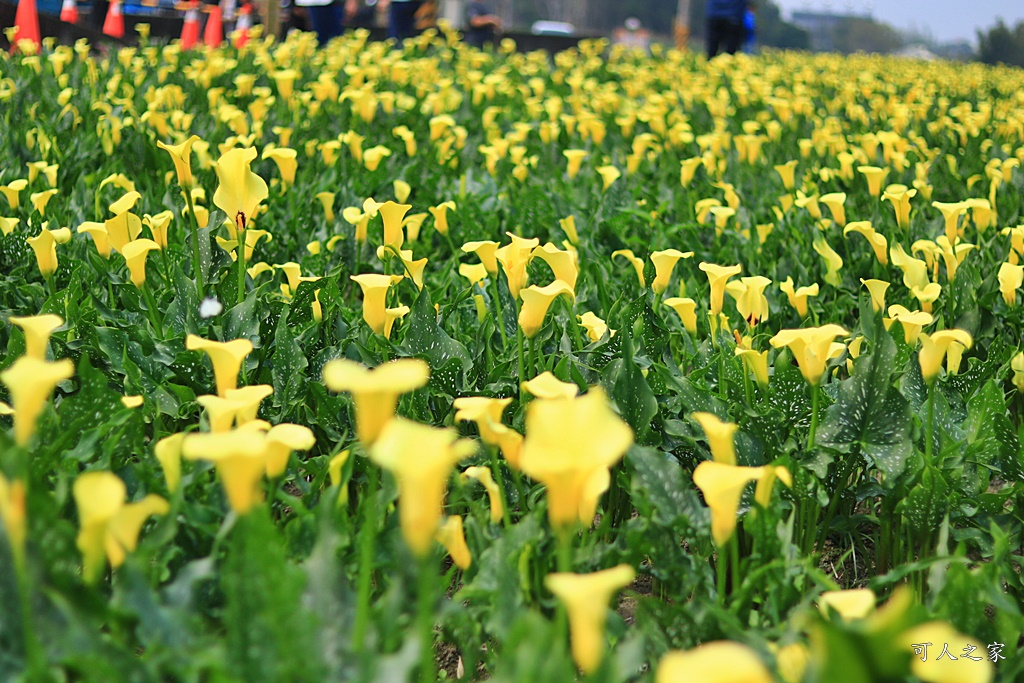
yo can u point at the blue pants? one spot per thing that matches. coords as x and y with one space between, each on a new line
402 19
326 21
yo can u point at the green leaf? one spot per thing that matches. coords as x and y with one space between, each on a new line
659 490
627 385
427 339
287 365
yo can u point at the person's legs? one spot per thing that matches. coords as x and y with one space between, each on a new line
402 19
326 21
713 36
733 38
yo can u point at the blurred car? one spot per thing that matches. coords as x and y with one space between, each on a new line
552 28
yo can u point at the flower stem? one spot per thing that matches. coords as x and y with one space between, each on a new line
368 536
519 349
814 416
500 480
499 318
197 263
930 429
425 620
152 310
240 250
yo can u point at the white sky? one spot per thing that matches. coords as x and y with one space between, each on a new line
946 20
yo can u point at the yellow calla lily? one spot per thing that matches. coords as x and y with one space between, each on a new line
755 362
135 253
181 155
226 358
1017 366
926 642
375 391
951 213
575 159
158 225
835 202
586 598
635 261
750 299
811 347
562 263
546 386
718 277
41 199
393 214
900 196
686 309
927 296
514 259
421 458
13 515
723 485
486 252
12 191
595 327
37 330
326 200
720 437
798 296
664 263
934 347
568 225
375 289
239 457
168 453
440 214
450 534
536 301
281 440
833 261
609 174
240 191
1011 277
45 247
915 271
287 163
486 479
876 239
705 664
787 172
570 446
912 321
855 603
875 177
30 381
876 289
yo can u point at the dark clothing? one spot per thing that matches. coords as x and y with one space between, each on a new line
724 35
478 36
731 10
326 21
402 19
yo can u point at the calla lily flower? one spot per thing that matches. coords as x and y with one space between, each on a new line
609 174
536 301
326 200
7 225
450 534
568 225
1017 366
811 347
476 273
798 296
982 213
45 247
723 485
664 263
181 155
375 289
900 197
835 201
514 259
37 330
393 214
226 358
570 447
240 459
876 239
168 453
833 261
875 177
787 172
586 598
720 437
486 252
12 191
876 288
575 158
934 348
125 226
1011 277
421 458
484 412
850 604
755 362
953 256
30 381
688 169
686 309
951 212
240 191
13 515
927 296
810 203
375 391
705 664
287 163
547 387
750 299
41 199
486 479
912 321
718 277
281 440
440 214
135 253
702 208
373 157
915 271
595 327
109 529
158 225
926 665
562 263
722 215
635 261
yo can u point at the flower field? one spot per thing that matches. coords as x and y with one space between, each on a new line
381 364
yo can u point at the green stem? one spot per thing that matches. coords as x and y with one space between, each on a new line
152 310
498 314
574 325
240 251
425 620
833 504
734 559
197 262
519 350
720 572
814 417
531 365
368 536
500 480
34 657
564 558
930 430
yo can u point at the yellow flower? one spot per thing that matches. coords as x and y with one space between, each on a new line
750 299
373 157
595 327
912 321
375 289
181 155
287 163
926 642
486 479
562 263
30 381
934 347
158 225
688 169
326 200
485 412
12 191
664 263
125 225
635 261
609 174
239 457
755 362
486 252
168 454
548 387
686 309
722 215
226 358
7 225
875 177
392 215
135 256
568 225
833 261
915 271
953 256
575 158
586 598
723 485
876 239
37 330
570 446
536 301
402 190
375 391
982 213
1017 365
951 212
927 296
281 440
240 191
41 199
787 171
812 348
798 296
716 662
108 528
45 247
421 458
718 277
13 514
514 258
900 197
450 534
720 437
850 604
440 214
835 201
476 273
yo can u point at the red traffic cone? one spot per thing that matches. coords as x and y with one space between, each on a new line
190 30
214 32
69 12
26 21
113 26
243 25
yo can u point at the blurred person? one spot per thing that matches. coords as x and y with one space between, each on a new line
324 18
482 24
750 30
402 18
725 26
632 34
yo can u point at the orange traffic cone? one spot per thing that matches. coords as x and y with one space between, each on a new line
69 12
26 23
113 26
190 30
243 25
214 28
